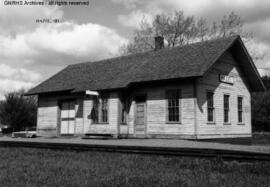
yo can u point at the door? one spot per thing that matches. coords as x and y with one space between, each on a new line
140 120
67 118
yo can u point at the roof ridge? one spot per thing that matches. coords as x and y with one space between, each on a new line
152 51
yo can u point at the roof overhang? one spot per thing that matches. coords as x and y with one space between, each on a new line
247 65
30 92
241 55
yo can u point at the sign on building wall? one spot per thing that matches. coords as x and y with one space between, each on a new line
226 79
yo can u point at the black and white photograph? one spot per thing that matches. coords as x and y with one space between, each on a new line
135 93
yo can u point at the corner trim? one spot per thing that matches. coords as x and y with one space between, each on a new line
195 106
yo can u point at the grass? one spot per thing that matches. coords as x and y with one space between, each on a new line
258 138
42 167
262 138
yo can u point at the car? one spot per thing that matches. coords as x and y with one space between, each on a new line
30 132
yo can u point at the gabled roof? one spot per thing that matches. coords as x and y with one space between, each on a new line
188 61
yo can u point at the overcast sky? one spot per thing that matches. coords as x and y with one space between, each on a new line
31 52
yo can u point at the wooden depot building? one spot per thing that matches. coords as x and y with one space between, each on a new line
201 90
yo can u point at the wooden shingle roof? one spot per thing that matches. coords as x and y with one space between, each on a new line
188 61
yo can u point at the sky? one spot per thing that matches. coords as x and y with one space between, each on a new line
31 52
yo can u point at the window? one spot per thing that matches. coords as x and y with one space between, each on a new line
104 110
173 97
95 110
240 109
210 106
226 108
100 110
123 110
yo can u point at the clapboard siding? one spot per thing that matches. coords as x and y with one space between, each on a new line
48 119
193 107
123 129
79 116
87 108
226 66
112 127
156 110
49 115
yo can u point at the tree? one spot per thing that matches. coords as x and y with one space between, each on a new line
202 29
230 25
142 39
175 28
261 108
178 30
18 111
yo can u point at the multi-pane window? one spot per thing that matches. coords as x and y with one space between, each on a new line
100 110
240 109
210 106
104 110
95 111
123 110
173 97
226 108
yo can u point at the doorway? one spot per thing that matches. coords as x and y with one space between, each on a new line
140 116
67 119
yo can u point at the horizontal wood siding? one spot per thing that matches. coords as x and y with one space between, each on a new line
156 110
48 121
79 116
47 117
113 113
226 66
123 129
87 108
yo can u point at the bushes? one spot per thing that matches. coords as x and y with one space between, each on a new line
261 108
18 111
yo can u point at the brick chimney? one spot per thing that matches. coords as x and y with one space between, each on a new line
159 42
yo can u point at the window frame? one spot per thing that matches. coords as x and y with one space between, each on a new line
242 111
123 109
212 107
98 106
226 109
179 96
104 98
95 109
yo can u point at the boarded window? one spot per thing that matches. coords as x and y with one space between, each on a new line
226 103
173 107
240 109
210 106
